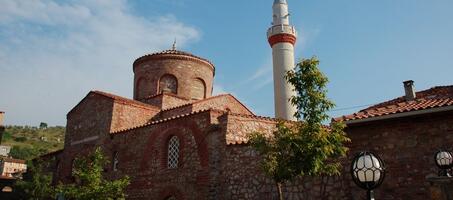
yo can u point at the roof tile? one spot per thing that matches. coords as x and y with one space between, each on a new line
435 97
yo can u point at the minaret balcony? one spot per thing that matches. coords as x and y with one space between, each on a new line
281 28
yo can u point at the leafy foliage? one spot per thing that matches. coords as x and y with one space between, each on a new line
36 184
303 148
42 125
90 183
26 153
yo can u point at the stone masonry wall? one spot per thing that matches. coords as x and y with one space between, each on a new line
407 146
244 179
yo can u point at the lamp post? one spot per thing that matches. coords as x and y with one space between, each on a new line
368 172
444 160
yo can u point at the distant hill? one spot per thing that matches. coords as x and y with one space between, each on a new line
28 142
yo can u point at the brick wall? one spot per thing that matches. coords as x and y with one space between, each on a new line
91 117
188 73
166 101
127 116
407 146
216 162
1 118
142 155
221 102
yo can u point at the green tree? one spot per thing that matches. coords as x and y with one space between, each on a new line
36 184
307 147
90 183
43 125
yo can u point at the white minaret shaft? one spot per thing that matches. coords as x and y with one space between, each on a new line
282 37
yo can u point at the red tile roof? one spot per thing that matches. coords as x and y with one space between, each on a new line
163 120
166 93
124 100
436 97
119 99
173 53
190 114
13 160
6 177
208 99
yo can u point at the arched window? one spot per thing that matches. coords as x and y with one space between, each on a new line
168 83
173 152
198 89
115 161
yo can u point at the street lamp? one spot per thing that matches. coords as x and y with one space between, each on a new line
368 172
444 161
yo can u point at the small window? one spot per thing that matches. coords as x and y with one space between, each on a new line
115 161
173 152
168 83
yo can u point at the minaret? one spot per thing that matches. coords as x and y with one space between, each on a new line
282 37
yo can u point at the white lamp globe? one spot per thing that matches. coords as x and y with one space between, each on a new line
368 168
444 159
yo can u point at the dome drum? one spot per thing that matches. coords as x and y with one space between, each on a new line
177 72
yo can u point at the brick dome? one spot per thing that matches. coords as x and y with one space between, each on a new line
173 71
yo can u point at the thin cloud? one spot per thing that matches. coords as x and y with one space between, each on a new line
52 53
264 70
263 75
218 89
265 82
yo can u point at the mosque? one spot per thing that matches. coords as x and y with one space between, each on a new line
175 140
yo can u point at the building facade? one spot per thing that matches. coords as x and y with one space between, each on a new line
10 167
175 140
405 132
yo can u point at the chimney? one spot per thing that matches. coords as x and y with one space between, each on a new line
409 89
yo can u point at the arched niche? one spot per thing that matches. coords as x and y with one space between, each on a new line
168 83
198 89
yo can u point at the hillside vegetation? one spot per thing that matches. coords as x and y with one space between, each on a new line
28 142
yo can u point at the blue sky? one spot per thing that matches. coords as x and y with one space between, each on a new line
52 53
